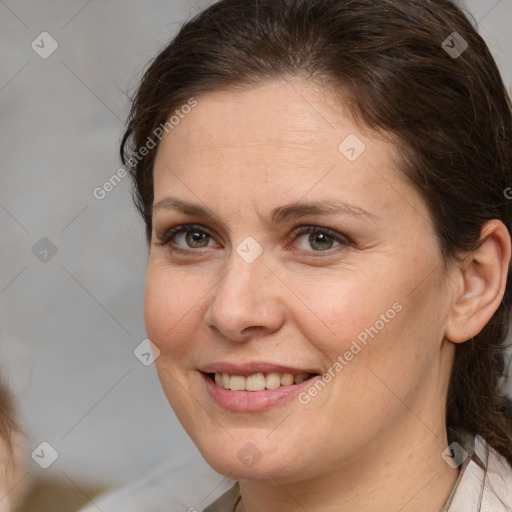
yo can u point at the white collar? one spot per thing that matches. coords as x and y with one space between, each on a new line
477 491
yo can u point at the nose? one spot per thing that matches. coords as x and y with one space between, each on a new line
245 302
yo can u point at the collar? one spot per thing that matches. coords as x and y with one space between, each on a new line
485 479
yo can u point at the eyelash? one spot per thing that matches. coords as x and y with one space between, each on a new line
168 236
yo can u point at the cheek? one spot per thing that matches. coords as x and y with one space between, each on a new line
172 304
372 318
344 308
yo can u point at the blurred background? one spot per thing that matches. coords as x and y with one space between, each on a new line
72 261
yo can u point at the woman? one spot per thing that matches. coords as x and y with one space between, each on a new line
323 185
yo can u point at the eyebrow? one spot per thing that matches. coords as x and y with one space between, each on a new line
279 214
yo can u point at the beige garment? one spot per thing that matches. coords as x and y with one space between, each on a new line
466 440
227 502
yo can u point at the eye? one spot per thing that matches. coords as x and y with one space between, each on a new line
319 239
186 237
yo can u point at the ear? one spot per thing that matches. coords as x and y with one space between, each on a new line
481 278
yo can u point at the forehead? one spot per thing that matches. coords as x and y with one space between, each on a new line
278 139
295 115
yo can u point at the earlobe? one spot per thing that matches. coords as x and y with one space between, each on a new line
482 277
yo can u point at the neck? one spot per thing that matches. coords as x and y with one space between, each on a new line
394 472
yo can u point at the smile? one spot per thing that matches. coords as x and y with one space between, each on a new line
255 392
257 381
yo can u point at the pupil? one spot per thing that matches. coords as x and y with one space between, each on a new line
320 241
196 239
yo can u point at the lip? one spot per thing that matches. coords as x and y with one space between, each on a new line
247 369
254 401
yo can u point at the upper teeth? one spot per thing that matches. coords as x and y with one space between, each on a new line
258 381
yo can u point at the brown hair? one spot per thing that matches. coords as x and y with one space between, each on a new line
8 425
449 115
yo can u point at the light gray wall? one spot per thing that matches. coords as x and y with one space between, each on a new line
69 325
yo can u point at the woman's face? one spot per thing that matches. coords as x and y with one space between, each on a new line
299 251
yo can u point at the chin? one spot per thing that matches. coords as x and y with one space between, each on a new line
250 467
238 457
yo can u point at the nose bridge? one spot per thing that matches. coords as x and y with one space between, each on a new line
244 300
232 282
242 284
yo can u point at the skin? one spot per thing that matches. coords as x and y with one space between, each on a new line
373 438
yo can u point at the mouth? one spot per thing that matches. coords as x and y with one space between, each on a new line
255 386
256 392
258 381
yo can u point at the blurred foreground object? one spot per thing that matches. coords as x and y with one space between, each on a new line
13 486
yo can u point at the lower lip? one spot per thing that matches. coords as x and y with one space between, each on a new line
254 401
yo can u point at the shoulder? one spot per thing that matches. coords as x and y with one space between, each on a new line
180 485
227 502
484 488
